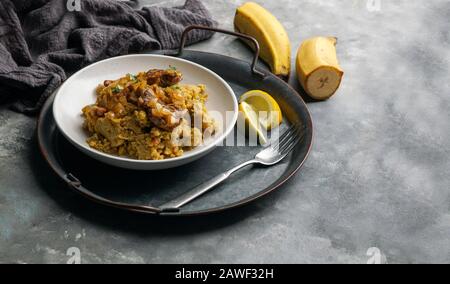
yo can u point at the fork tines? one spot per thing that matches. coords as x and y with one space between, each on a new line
287 141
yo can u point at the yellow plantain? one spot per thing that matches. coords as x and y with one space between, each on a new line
252 19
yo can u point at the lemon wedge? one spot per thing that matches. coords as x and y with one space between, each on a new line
261 112
254 127
267 110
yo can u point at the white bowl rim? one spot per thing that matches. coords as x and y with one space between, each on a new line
187 155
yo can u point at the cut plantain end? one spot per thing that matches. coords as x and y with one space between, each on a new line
323 82
318 69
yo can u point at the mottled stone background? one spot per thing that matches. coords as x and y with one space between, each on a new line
377 176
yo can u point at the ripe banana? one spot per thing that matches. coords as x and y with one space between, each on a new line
318 68
252 19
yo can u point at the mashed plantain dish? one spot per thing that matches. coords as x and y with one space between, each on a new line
148 116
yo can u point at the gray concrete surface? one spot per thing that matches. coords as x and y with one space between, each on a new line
377 176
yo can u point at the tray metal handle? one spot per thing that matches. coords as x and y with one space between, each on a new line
242 36
76 185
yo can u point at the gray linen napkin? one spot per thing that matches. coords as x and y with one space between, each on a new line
42 42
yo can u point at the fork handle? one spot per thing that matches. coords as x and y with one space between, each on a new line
203 187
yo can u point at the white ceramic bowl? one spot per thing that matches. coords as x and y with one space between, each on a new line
79 91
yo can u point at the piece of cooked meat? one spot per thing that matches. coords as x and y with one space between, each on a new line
106 83
163 78
110 129
162 115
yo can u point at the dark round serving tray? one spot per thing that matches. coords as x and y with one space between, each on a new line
144 191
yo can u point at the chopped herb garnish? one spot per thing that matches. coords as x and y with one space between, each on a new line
172 67
132 77
176 87
117 89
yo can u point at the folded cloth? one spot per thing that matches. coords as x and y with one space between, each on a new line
42 42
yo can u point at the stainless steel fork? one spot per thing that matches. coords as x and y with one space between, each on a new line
270 156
